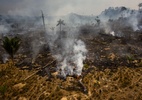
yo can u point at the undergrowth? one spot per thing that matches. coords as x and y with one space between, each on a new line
121 84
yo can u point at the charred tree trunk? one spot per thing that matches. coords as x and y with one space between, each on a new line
43 19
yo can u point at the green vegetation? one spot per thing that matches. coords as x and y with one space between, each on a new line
11 45
86 66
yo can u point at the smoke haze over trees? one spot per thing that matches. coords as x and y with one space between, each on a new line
62 7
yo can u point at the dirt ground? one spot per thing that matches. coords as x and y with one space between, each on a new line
112 71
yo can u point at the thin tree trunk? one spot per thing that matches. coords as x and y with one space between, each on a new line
43 20
60 28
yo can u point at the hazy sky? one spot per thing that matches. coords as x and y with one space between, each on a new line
62 7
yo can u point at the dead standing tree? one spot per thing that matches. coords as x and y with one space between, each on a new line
42 15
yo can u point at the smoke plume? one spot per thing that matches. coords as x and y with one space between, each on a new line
68 49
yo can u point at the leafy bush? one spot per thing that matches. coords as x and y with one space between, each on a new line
11 45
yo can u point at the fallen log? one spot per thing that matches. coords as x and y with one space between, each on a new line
40 70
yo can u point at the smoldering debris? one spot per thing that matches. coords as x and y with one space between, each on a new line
65 43
69 51
72 62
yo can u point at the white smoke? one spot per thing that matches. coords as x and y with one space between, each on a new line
5 58
68 49
123 17
79 51
112 33
3 30
133 21
36 45
106 27
73 63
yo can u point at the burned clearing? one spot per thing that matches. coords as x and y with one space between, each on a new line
74 61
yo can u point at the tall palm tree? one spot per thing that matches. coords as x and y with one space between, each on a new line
60 22
11 45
